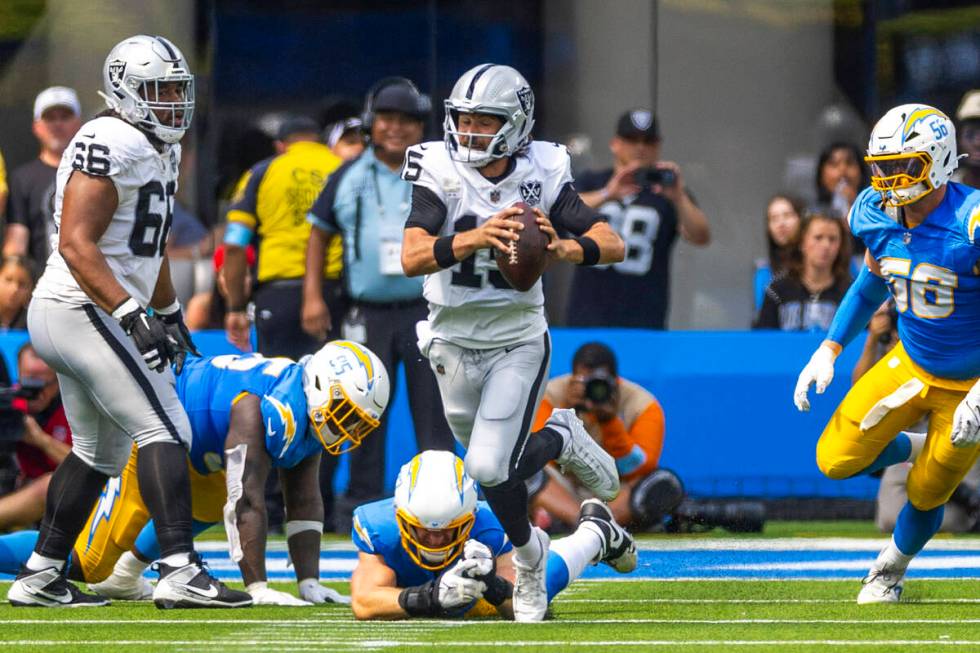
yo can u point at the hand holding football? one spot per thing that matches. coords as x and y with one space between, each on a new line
527 256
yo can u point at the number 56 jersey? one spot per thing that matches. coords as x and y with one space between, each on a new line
471 304
135 240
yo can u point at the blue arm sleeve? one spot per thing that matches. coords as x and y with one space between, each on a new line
863 298
238 234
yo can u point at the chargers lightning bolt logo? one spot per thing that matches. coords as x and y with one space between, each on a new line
103 509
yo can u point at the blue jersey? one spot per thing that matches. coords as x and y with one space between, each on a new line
932 270
376 532
208 387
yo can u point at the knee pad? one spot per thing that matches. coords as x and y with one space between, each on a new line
486 468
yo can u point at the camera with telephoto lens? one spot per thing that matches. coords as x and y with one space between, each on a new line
650 176
12 419
735 516
599 386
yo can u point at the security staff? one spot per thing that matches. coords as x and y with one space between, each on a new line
272 209
367 202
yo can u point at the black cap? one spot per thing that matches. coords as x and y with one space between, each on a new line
297 125
401 98
638 123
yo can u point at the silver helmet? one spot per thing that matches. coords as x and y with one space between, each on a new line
132 78
496 90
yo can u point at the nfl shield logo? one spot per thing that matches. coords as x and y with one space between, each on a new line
531 192
495 196
526 97
116 70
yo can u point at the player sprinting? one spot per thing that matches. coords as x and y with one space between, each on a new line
487 343
248 414
921 231
435 551
88 321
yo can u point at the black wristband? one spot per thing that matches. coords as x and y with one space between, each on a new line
498 590
590 250
421 600
443 251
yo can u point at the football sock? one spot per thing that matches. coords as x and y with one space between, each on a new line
38 562
915 527
892 557
165 486
557 575
897 451
542 447
146 546
578 550
73 490
509 503
15 549
176 560
129 565
530 551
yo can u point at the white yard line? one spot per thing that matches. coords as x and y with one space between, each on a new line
387 643
347 621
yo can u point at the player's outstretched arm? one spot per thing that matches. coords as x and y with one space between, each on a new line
374 594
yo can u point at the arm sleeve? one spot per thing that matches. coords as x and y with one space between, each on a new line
243 209
569 213
863 298
428 211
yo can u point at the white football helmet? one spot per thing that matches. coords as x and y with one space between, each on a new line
347 390
496 90
434 492
912 151
131 79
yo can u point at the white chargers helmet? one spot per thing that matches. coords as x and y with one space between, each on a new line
434 493
347 391
131 79
500 91
912 152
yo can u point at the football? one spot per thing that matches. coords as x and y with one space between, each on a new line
524 264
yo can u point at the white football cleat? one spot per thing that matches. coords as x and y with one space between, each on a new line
48 588
192 586
530 589
882 585
618 547
583 456
124 587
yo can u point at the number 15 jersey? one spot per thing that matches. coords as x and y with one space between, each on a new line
135 240
470 303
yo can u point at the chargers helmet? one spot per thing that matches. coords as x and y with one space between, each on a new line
131 79
347 390
434 492
496 90
912 151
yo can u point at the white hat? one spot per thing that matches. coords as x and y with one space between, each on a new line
56 96
969 106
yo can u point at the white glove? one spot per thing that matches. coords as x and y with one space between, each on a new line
262 594
820 370
481 555
966 420
457 588
311 590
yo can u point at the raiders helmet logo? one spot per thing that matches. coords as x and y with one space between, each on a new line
526 97
641 119
531 192
116 70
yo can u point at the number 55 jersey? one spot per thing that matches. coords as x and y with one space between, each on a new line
145 179
933 273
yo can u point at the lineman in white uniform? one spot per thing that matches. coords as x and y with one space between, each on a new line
113 208
487 343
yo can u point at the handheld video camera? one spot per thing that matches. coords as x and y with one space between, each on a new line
11 419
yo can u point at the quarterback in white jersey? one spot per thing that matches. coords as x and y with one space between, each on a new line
88 320
488 343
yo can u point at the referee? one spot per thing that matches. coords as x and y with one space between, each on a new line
271 209
367 202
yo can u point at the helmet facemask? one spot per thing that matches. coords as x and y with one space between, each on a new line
901 178
470 156
341 425
433 558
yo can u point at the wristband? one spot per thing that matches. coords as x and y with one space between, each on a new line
442 249
498 590
590 250
126 308
300 525
169 310
419 601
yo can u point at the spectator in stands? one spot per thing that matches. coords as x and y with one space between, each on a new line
206 310
648 203
841 175
367 203
45 442
968 130
346 138
629 423
783 218
16 284
806 297
30 207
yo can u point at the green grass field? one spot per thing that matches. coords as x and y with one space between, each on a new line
625 615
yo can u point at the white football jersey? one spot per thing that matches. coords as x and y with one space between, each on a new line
135 240
471 304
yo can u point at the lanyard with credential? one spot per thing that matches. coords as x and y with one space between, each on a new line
402 207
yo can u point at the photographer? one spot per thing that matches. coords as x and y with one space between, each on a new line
648 203
44 437
626 420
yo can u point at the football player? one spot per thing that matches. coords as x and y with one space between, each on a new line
248 414
921 231
88 320
435 551
487 343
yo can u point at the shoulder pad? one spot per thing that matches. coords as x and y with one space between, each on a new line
549 156
428 164
360 534
973 217
866 212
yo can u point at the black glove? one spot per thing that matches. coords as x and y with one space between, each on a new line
150 337
177 330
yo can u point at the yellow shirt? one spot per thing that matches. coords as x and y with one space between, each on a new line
3 178
272 200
